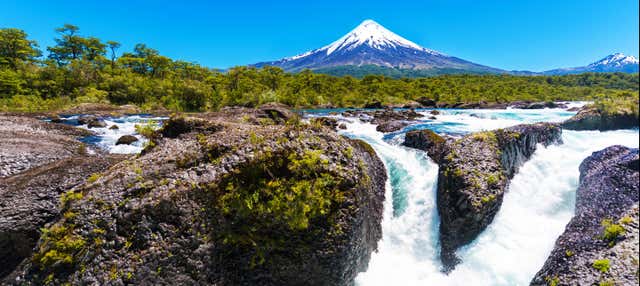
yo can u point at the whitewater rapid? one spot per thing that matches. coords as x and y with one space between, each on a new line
537 206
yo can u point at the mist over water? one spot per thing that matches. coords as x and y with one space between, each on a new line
538 204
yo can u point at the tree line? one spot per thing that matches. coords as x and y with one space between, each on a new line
86 69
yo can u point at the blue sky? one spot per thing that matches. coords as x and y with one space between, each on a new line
521 35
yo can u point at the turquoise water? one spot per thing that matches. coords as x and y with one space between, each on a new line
538 204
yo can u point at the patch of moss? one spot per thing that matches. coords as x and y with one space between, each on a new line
58 248
626 220
611 230
94 177
485 136
69 197
276 191
606 283
601 265
552 281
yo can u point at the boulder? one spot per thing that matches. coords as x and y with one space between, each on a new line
114 127
473 177
342 126
278 112
391 126
434 112
126 140
85 119
428 141
600 243
96 123
426 102
374 105
55 119
325 121
592 118
412 104
218 201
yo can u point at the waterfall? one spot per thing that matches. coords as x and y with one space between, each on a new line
538 204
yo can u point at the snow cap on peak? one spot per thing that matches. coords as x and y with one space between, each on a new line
370 33
616 59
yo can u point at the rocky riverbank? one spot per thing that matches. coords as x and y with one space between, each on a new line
39 161
240 197
600 244
592 117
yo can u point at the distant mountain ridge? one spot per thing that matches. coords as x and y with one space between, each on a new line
617 62
370 48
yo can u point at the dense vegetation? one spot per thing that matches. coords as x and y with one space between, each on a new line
80 69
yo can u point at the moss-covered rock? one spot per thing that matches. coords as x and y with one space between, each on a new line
428 141
223 202
605 116
600 243
473 176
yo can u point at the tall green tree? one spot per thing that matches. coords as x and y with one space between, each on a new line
16 48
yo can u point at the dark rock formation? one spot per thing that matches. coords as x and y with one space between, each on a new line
85 119
277 112
342 126
31 199
114 127
55 118
391 126
325 121
126 140
591 118
473 176
221 202
28 142
426 102
97 123
535 105
600 243
374 105
428 141
434 112
384 115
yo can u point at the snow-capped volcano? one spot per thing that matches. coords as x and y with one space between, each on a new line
372 44
617 62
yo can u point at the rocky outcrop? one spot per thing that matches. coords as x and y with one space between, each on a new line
428 141
277 112
28 142
600 244
426 102
592 118
31 199
221 202
391 126
474 175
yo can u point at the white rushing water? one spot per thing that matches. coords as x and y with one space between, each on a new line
538 204
106 138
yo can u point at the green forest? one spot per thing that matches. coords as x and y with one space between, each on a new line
86 69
